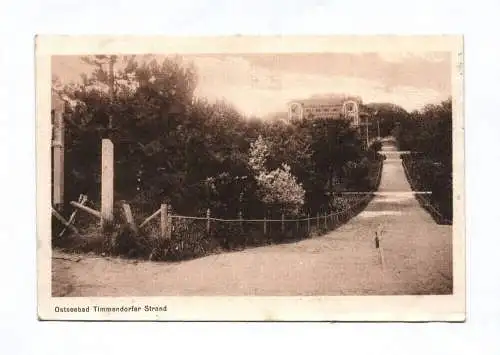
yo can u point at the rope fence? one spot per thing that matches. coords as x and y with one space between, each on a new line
168 230
171 223
321 221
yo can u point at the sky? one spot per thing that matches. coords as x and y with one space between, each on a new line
261 84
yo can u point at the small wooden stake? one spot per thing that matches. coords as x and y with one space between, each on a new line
282 223
265 226
326 225
170 225
163 220
317 220
208 220
308 223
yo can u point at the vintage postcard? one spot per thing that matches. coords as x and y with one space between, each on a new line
250 178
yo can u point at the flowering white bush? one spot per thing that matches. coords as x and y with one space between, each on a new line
258 155
277 187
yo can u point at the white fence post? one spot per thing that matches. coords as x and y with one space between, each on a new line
107 179
58 156
163 221
208 220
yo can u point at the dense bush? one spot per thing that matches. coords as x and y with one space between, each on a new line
376 146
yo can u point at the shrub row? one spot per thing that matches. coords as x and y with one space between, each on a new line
190 239
425 174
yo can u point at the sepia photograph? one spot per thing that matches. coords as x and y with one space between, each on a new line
250 178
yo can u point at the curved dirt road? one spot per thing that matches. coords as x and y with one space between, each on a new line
417 254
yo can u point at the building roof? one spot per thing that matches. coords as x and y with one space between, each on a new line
328 100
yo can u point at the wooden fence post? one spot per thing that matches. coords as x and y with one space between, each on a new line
282 223
107 177
326 225
317 220
208 220
169 222
308 224
163 220
265 226
240 217
58 158
297 225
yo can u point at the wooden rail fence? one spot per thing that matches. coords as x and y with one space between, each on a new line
166 216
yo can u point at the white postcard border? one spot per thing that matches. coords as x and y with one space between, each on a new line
328 308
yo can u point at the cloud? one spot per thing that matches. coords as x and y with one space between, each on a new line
410 97
258 90
261 84
426 70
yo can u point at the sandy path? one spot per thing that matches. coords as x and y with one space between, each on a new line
417 253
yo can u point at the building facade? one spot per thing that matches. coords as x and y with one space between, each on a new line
334 108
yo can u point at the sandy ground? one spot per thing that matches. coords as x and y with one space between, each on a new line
417 256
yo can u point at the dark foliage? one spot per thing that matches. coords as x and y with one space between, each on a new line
172 148
428 135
